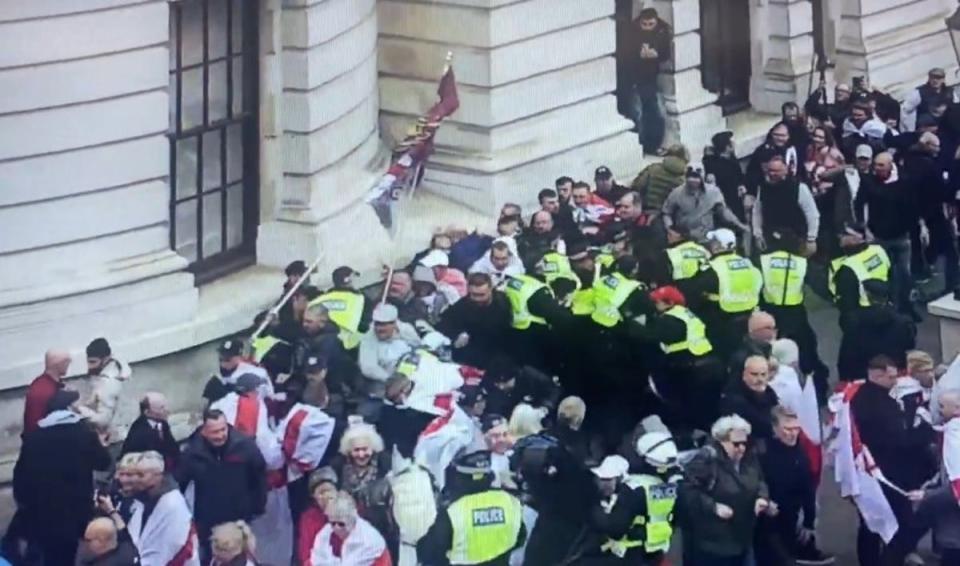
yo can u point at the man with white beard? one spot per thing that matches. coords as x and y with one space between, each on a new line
161 525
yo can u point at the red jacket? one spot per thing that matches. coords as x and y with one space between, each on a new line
39 393
311 521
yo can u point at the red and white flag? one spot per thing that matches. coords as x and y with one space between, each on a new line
855 470
411 153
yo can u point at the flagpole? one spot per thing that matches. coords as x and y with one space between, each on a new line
414 182
286 297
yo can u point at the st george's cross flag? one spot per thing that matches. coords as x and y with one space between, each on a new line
412 153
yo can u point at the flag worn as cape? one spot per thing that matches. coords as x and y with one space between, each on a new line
855 470
412 152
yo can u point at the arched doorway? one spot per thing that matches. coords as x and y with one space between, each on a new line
725 52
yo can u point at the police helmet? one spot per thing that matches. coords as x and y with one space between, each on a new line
658 449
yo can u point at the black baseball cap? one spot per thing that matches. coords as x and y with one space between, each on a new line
343 275
603 172
492 421
314 363
230 347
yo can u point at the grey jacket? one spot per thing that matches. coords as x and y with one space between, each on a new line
697 211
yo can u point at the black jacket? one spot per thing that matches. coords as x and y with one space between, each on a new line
729 178
230 481
754 407
892 206
488 326
895 446
53 478
143 437
792 485
870 331
124 555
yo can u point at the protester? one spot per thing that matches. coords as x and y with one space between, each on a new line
228 474
784 204
233 545
479 324
722 497
161 524
323 490
102 548
53 478
347 538
656 180
108 376
696 207
383 345
42 389
752 398
151 431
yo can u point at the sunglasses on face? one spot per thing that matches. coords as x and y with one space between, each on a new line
340 524
739 443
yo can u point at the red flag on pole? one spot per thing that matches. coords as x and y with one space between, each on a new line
411 153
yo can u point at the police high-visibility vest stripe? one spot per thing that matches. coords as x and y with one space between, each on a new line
871 263
609 294
695 341
410 362
345 309
605 260
262 345
654 530
557 266
687 259
783 276
485 525
518 290
740 283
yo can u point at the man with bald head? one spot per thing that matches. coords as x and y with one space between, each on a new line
41 390
887 201
151 431
751 397
101 546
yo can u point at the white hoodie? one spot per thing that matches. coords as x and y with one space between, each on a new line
101 408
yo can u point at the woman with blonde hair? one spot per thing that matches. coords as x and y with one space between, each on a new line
526 421
347 539
233 544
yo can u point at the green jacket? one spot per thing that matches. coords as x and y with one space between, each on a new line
657 180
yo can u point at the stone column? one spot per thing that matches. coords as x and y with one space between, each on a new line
84 199
782 53
692 113
535 80
895 42
320 110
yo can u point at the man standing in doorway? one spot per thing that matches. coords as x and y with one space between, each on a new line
651 49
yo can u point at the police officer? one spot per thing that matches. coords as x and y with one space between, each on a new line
640 523
559 274
860 262
347 307
689 377
682 259
269 351
480 525
534 311
618 296
784 271
731 286
587 269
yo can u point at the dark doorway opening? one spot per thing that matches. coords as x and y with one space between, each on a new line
725 52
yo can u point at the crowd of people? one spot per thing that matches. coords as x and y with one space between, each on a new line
622 363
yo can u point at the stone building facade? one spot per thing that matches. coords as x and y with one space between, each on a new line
159 160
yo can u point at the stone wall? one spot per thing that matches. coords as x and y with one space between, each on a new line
83 190
535 79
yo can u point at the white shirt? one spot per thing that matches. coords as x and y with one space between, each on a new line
378 358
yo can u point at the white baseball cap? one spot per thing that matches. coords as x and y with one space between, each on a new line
612 467
435 258
864 150
723 236
385 313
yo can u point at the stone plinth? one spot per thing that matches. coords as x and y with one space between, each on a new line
84 160
535 80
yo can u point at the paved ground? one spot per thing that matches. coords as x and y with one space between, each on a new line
838 519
